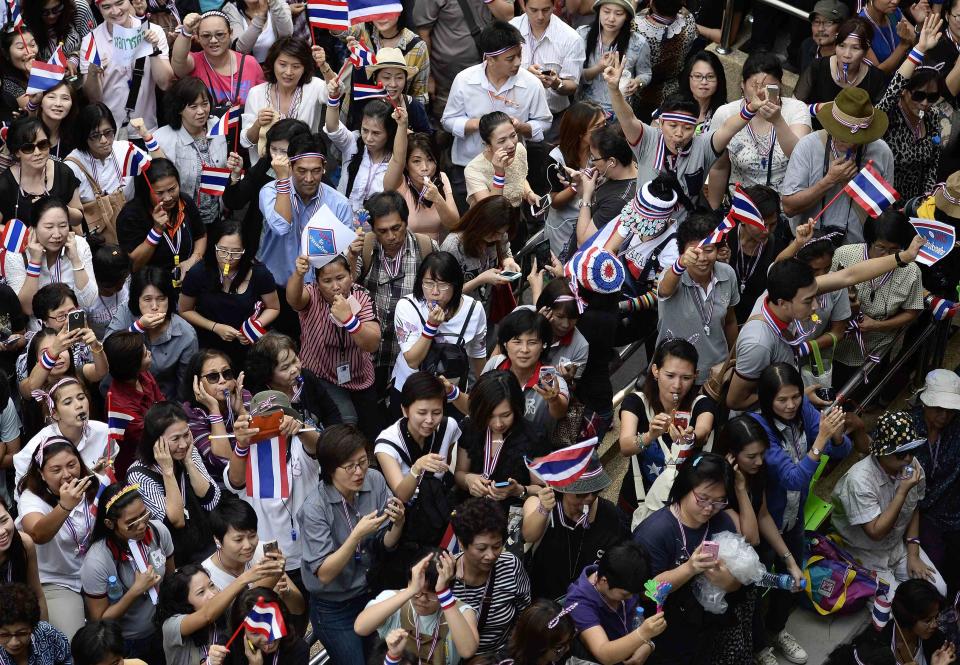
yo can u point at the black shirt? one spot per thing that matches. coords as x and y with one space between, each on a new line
593 388
14 203
752 270
523 439
135 221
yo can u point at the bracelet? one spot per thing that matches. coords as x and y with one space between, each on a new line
47 360
447 599
353 325
746 113
283 186
647 643
241 452
387 660
31 106
33 269
454 394
79 268
916 56
543 511
678 268
96 350
215 419
153 238
213 328
151 143
63 507
183 31
136 326
913 541
430 330
499 181
900 262
787 556
333 102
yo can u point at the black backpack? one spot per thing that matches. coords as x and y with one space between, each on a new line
444 358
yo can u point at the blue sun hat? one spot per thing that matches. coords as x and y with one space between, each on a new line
595 269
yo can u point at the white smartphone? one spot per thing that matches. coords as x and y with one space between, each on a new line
773 94
510 274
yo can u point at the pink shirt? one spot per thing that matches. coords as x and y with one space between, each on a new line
425 219
222 87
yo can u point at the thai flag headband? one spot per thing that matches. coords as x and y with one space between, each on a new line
651 207
678 116
945 193
308 155
852 123
493 54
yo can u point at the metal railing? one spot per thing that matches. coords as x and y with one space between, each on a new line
726 28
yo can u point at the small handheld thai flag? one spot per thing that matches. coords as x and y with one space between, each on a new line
940 239
228 121
449 541
365 91
361 56
722 229
252 329
328 14
117 420
267 474
881 604
871 191
44 76
15 236
364 11
214 180
59 57
744 210
91 55
266 619
135 162
15 17
564 466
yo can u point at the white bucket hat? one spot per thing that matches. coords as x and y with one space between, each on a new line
941 389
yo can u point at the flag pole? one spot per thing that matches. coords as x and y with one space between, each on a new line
837 196
239 628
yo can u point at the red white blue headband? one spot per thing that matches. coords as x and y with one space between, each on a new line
679 116
308 155
852 123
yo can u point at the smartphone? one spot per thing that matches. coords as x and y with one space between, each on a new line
510 274
773 94
712 548
271 547
540 207
550 68
76 319
354 305
502 484
548 374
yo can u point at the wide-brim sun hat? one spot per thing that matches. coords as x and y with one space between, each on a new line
391 58
852 118
594 479
947 196
622 4
269 401
894 433
597 270
941 389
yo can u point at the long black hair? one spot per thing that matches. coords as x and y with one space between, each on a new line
623 38
736 435
226 227
16 554
718 98
174 593
771 380
111 511
33 19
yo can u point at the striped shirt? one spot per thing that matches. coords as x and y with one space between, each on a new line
327 345
155 498
511 595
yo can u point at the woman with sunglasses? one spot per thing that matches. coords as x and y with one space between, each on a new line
17 52
914 133
428 611
225 293
34 175
138 552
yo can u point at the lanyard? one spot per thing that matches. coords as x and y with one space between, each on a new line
80 540
297 391
581 521
233 77
96 169
705 308
877 282
351 525
494 98
934 454
371 173
310 209
664 158
770 144
416 635
294 102
890 40
745 272
489 458
683 535
916 130
391 266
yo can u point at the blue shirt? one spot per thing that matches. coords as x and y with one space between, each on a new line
280 240
885 37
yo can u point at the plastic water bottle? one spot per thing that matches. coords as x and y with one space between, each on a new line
114 590
782 581
637 618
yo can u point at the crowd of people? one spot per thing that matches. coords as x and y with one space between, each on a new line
202 416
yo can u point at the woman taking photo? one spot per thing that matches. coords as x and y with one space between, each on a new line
291 91
254 648
162 226
494 441
501 168
52 356
57 505
171 341
612 31
24 636
826 77
138 552
228 289
704 81
894 35
342 537
257 24
17 52
174 483
569 350
57 113
655 420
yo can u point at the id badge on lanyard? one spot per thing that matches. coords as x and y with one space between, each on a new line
343 369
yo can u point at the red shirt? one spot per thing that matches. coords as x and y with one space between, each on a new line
126 398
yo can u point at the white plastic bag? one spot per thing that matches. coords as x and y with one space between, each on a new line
742 562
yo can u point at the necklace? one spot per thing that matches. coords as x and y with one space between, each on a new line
675 511
889 36
915 128
745 271
573 567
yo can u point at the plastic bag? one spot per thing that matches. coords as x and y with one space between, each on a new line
742 562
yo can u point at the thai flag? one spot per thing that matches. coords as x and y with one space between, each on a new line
449 541
117 420
15 17
91 54
744 210
363 91
871 191
266 619
59 57
229 120
44 76
881 605
361 56
328 14
364 11
214 180
940 239
135 162
15 236
722 229
267 475
564 466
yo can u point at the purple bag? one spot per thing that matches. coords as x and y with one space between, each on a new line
836 583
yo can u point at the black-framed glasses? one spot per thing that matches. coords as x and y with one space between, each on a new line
707 502
43 145
919 96
105 134
709 78
597 159
214 377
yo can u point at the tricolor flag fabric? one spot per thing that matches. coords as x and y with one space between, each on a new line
328 14
135 162
252 329
744 210
267 473
15 236
117 420
360 55
881 605
266 619
562 467
214 180
722 229
449 541
91 55
228 121
940 239
14 16
364 11
43 76
365 91
59 57
871 191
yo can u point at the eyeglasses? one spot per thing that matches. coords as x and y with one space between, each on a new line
707 502
920 95
105 134
229 253
709 78
42 145
53 11
59 318
823 22
439 287
883 250
598 159
214 377
20 635
560 649
356 466
210 36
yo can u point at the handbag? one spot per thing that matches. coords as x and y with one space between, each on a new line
836 583
718 382
101 213
502 302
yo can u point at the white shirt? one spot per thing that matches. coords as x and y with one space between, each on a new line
310 109
276 518
221 578
472 96
393 434
369 178
181 149
264 41
106 172
115 81
559 45
92 446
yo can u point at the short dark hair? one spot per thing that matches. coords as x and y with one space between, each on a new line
703 468
155 277
18 604
155 421
111 265
541 628
674 348
42 205
184 93
23 131
609 142
678 102
337 443
890 226
771 380
521 321
859 26
88 121
626 566
696 227
160 167
489 122
295 47
232 513
301 143
762 62
497 36
51 296
913 600
421 385
490 389
445 268
785 278
478 515
262 359
285 129
124 351
765 198
96 641
386 203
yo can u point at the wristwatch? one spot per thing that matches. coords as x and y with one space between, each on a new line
815 450
900 262
582 203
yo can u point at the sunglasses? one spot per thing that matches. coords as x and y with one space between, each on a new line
214 377
920 95
904 455
28 148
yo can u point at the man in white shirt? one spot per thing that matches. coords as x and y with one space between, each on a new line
112 81
552 51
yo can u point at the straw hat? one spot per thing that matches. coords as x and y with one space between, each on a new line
852 118
391 58
947 197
